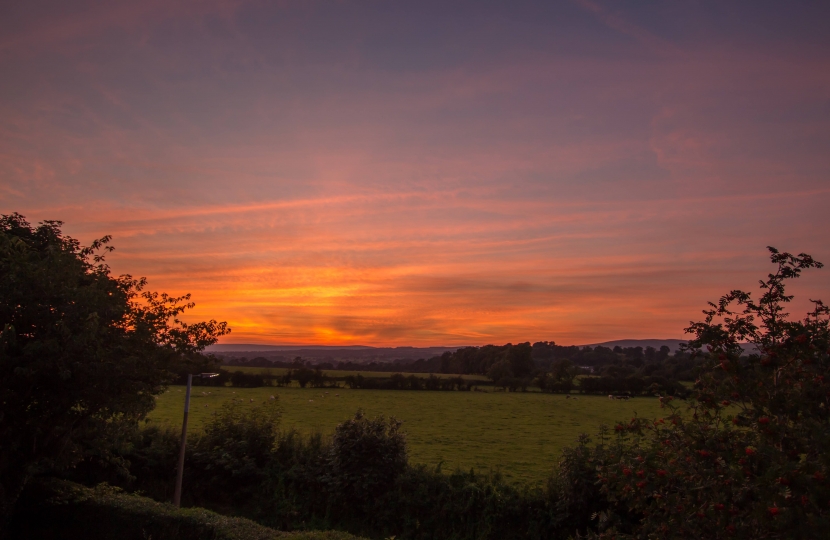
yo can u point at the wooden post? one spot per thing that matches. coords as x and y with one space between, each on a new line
177 496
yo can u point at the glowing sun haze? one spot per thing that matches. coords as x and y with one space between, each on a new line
426 173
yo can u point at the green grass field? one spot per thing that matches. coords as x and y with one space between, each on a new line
520 434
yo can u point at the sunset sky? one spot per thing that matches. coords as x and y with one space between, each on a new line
427 173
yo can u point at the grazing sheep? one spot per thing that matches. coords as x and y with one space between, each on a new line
252 401
336 395
575 398
567 396
610 396
272 397
311 401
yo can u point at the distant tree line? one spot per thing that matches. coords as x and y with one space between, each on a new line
545 365
400 382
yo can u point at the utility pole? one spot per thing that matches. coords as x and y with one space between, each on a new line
177 495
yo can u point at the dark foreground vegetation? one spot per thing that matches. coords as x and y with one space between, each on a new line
82 355
53 509
358 480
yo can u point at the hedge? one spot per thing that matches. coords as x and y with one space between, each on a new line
57 509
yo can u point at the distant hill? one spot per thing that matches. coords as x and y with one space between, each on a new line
328 353
235 347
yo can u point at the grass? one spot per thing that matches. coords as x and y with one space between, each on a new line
519 434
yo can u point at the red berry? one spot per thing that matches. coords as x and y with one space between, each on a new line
661 472
774 511
749 450
763 420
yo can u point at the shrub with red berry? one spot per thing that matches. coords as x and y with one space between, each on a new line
749 457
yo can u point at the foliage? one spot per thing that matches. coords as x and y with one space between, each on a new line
230 457
632 386
580 498
366 457
81 353
240 379
748 459
516 359
57 509
397 381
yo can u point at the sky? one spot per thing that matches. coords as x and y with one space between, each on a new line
427 173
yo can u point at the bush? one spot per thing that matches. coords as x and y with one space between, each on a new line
228 462
365 458
240 379
749 458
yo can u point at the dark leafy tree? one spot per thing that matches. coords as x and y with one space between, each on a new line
749 458
82 353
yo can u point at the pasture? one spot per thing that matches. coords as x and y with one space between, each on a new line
519 434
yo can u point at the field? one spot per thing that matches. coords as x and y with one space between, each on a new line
519 434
